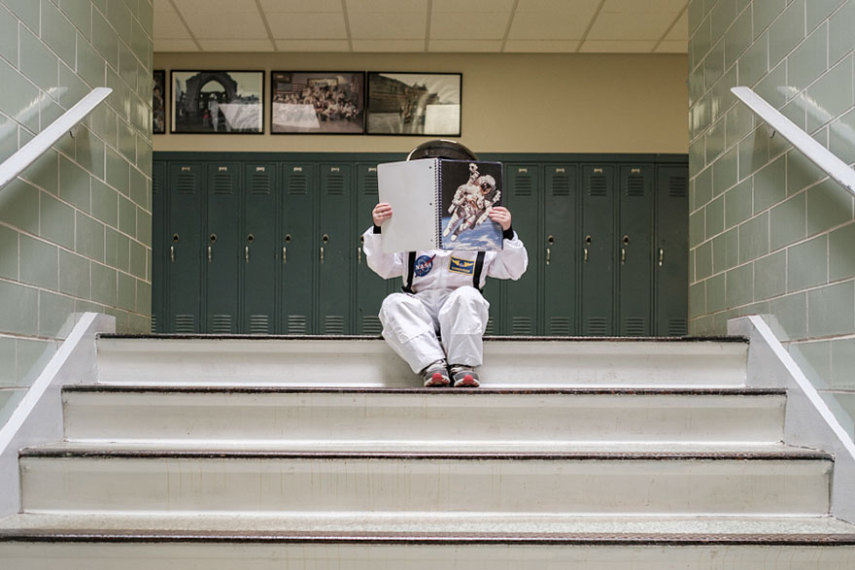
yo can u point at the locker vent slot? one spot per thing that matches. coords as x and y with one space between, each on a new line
298 184
155 325
635 186
185 323
334 324
597 185
559 326
678 186
522 326
597 326
221 324
635 326
369 184
222 184
297 324
678 327
560 185
259 183
335 185
490 327
371 325
259 324
523 186
186 184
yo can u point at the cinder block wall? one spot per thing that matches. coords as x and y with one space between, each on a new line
75 229
769 233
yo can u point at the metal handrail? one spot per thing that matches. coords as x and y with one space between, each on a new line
818 154
31 151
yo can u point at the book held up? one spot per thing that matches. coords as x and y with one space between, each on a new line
439 203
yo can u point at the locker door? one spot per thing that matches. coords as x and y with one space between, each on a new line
522 196
635 264
260 253
159 255
335 247
598 249
558 242
672 251
222 243
183 248
370 288
296 240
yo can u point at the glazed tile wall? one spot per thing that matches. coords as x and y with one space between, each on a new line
75 227
769 233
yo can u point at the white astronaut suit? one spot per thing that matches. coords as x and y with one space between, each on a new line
443 300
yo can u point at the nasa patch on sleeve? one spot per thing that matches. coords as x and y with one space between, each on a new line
464 266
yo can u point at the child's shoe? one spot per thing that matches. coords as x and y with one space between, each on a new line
436 375
463 376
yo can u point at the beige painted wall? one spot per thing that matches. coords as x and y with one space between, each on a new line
511 102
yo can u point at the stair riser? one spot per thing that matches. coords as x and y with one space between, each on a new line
442 419
181 556
696 486
302 362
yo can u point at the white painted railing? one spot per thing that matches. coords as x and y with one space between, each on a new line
28 153
818 154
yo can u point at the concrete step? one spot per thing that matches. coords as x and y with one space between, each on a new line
381 540
111 479
367 361
415 419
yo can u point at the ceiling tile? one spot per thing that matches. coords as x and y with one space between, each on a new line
450 26
415 6
227 26
541 46
673 46
387 26
169 25
468 6
313 45
386 46
680 30
242 45
468 46
546 26
198 8
617 46
167 45
307 26
644 6
293 6
630 26
582 9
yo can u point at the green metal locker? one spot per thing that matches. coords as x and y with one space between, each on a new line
336 246
261 252
183 255
297 239
557 241
672 251
371 289
158 241
635 263
598 250
522 196
222 247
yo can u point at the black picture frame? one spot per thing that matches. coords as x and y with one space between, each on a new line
416 104
317 102
158 102
217 102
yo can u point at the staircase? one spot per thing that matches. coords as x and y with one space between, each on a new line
320 453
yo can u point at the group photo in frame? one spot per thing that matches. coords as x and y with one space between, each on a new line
158 102
414 103
317 102
224 102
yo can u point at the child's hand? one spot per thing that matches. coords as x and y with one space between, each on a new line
501 216
381 213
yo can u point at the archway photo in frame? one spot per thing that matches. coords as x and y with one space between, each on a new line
221 102
321 102
414 103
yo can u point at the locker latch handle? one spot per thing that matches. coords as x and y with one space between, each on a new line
623 250
661 256
285 248
359 250
213 239
324 239
550 240
587 245
249 239
172 248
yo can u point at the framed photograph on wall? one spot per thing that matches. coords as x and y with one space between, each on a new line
221 102
414 103
158 103
317 102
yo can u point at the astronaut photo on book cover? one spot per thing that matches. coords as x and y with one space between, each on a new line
469 192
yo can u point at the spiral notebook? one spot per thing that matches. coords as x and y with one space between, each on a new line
439 203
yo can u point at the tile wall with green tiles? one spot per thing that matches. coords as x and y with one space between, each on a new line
75 230
769 232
